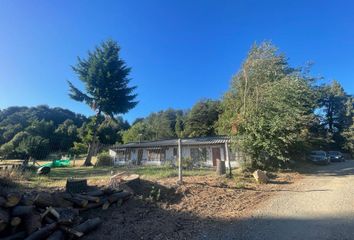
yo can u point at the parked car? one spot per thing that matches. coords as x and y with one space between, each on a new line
335 156
319 157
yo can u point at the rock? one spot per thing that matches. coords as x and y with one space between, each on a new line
260 176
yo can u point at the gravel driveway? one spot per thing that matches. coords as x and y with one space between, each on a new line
320 206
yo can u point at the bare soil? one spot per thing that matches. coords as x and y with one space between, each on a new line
201 204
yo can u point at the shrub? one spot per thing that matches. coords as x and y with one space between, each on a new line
10 178
78 148
187 163
104 159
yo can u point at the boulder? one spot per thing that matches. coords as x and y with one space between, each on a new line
260 176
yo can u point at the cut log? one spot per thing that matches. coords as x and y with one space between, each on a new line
15 221
130 183
94 199
27 200
106 205
4 216
16 236
12 199
91 206
95 193
44 200
132 178
2 201
32 223
76 185
88 225
120 195
54 212
43 232
72 231
60 200
49 220
3 225
67 215
109 190
78 202
22 210
56 235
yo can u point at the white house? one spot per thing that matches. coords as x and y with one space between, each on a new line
205 151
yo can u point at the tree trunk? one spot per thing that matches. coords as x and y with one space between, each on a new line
57 235
16 236
4 216
44 200
93 142
13 199
95 193
33 223
15 221
120 195
22 211
43 232
89 225
2 201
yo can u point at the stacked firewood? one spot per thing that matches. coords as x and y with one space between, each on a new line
55 215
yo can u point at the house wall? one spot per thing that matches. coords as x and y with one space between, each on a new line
186 153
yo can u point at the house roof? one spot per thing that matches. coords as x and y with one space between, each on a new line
174 142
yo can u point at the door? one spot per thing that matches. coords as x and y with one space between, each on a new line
216 155
140 156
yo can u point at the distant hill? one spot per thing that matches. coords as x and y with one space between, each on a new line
53 128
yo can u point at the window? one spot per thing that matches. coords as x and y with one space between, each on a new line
156 155
120 156
174 152
199 154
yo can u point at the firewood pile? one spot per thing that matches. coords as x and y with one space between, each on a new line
56 215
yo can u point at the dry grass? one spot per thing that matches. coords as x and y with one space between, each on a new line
101 175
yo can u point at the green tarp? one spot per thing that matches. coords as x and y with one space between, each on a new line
58 163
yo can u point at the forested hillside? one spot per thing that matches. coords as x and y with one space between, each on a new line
201 120
38 131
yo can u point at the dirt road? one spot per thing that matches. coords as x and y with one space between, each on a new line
320 206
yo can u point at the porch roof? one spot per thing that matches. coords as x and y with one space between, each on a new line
174 142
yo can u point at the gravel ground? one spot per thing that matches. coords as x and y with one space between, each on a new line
320 206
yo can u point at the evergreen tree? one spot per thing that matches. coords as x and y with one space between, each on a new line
106 79
201 120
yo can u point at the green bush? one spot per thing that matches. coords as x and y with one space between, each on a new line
187 163
104 159
79 148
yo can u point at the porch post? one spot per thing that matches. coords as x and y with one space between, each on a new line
179 161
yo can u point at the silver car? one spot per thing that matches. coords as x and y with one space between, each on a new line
319 157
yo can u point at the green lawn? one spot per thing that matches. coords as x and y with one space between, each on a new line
97 175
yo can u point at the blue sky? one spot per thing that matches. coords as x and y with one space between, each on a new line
179 51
